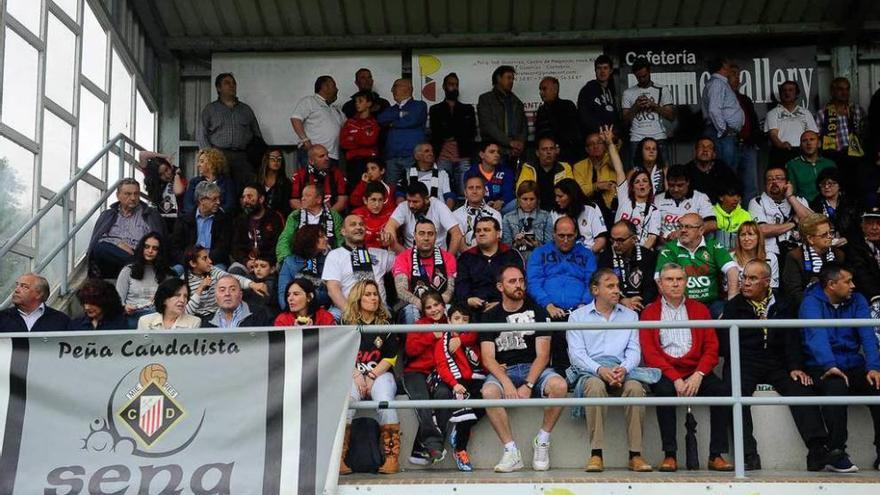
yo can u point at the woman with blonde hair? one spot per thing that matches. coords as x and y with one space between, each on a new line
212 167
373 374
803 263
750 246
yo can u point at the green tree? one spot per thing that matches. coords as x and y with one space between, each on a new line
13 214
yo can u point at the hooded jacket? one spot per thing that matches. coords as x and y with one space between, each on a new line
829 347
562 279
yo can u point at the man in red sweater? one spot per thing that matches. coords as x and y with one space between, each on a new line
686 357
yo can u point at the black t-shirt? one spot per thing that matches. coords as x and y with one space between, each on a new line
518 346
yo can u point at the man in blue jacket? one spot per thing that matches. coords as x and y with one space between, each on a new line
405 122
833 356
558 277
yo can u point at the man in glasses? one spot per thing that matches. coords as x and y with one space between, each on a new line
704 261
633 266
778 211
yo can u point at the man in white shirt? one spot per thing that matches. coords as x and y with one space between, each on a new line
29 312
419 205
786 123
645 105
678 200
777 212
316 120
475 207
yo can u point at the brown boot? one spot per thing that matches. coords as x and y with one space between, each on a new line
391 445
343 467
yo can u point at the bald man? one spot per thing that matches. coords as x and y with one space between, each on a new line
405 125
29 312
319 170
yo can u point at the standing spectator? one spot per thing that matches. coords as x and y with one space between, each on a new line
786 123
232 311
595 174
320 171
118 230
427 172
709 175
841 127
558 119
453 130
648 158
229 125
363 80
499 178
316 121
528 226
679 199
405 123
548 172
165 185
202 276
750 246
749 140
804 169
359 138
777 212
635 201
421 268
313 212
29 312
375 213
633 264
276 185
686 357
722 114
645 107
213 168
255 231
479 266
597 102
863 255
417 205
836 203
306 260
137 283
171 298
474 208
208 226
841 360
102 309
803 263
301 308
502 117
591 230
374 173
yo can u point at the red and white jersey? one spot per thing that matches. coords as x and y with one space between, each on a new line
671 210
644 216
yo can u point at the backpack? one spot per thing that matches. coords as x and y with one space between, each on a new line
364 452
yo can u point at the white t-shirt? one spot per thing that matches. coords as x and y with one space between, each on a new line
426 177
322 122
671 210
765 210
590 224
790 124
337 266
645 217
438 213
646 123
466 217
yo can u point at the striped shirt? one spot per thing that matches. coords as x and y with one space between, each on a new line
128 229
675 341
205 304
227 128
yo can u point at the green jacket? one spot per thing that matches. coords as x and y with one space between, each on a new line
285 240
704 267
803 174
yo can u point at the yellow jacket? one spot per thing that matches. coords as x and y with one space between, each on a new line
528 172
587 175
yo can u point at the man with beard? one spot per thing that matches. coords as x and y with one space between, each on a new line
313 212
363 79
316 120
255 231
453 130
478 267
419 205
777 212
633 265
319 170
421 268
558 118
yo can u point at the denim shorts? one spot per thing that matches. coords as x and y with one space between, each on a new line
518 374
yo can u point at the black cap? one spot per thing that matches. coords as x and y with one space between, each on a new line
871 213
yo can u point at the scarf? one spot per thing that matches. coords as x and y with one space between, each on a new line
813 261
419 282
761 309
630 283
474 214
361 262
435 179
311 171
325 220
830 136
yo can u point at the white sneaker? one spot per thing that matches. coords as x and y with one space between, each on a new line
541 456
510 462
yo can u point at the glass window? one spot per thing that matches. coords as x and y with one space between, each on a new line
55 169
20 99
16 195
60 57
94 48
86 197
91 130
120 98
26 12
145 134
51 234
68 6
11 267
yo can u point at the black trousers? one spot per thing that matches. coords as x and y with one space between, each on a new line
719 416
835 416
432 423
463 429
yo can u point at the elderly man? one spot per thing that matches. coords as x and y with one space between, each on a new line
208 226
558 119
29 312
313 212
863 256
501 114
118 230
363 80
428 173
316 120
633 264
319 170
421 268
605 361
405 124
786 123
232 311
686 358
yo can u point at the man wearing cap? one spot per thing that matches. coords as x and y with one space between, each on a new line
863 255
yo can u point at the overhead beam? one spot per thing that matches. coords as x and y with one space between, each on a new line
285 43
153 29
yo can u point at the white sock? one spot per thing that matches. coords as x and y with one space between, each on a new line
543 436
510 447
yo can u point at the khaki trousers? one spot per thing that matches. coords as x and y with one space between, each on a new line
635 415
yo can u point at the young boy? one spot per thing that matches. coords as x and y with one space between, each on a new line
729 215
375 173
264 272
202 277
375 214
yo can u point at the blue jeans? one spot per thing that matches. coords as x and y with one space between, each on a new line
132 319
518 374
746 168
726 150
409 314
109 259
455 171
395 169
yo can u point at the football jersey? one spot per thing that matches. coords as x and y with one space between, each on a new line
644 217
671 210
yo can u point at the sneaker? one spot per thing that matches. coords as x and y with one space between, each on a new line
436 456
452 436
817 459
463 461
420 456
753 462
541 456
511 461
842 465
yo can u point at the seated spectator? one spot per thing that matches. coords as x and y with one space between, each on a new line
137 282
804 169
405 124
773 356
803 263
418 204
633 264
373 374
841 360
453 129
313 212
474 208
635 198
352 262
301 308
478 267
777 212
375 215
276 185
705 262
548 172
838 205
518 365
306 260
750 246
729 214
374 173
686 358
559 281
786 123
648 158
863 256
605 363
264 272
321 173
558 119
359 137
708 174
499 178
595 174
202 276
208 226
427 172
165 185
591 230
171 298
212 168
119 228
528 226
255 231
421 268
678 199
232 311
101 307
29 312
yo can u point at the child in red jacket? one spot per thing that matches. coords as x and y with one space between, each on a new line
375 215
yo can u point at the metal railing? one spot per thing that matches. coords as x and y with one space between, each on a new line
116 145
